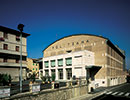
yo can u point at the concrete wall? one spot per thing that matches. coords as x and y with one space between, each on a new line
56 94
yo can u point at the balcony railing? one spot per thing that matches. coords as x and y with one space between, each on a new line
12 52
9 64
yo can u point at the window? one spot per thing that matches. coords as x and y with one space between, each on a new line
5 35
33 68
5 60
68 61
17 48
17 38
36 69
60 72
69 73
5 47
52 63
52 72
17 60
60 62
46 64
46 72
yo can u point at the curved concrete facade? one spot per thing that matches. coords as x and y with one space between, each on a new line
106 55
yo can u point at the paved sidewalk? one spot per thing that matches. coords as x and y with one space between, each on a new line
97 92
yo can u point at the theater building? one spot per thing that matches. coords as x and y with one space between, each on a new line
10 52
85 56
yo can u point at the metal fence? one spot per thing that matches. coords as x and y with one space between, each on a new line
15 87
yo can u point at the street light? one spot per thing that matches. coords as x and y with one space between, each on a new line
20 28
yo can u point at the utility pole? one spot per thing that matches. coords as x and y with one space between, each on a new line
20 28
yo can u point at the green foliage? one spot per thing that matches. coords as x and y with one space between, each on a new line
33 77
43 78
48 78
5 79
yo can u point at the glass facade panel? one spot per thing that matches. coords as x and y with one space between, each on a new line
60 62
46 64
69 73
46 72
68 61
60 71
52 63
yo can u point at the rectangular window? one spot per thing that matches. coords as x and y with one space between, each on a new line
17 38
46 72
69 73
5 35
17 60
60 71
52 72
5 60
69 61
5 46
52 63
17 48
46 64
60 62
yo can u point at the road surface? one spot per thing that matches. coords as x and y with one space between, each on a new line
120 93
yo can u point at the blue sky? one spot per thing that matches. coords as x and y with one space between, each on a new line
49 20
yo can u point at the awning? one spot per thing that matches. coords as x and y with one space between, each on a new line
92 67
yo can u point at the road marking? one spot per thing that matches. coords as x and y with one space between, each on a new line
120 93
109 92
114 93
127 94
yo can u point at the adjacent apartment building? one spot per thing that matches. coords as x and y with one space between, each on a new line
10 52
33 66
85 56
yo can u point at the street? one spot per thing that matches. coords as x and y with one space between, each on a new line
121 93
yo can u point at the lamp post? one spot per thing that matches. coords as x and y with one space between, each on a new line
20 28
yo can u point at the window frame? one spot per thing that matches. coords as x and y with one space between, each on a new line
45 64
5 46
58 62
66 61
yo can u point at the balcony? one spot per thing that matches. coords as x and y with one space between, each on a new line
12 52
2 39
9 64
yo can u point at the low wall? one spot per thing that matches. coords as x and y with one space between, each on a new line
52 94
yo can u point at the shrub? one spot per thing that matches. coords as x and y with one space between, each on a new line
5 79
43 78
33 77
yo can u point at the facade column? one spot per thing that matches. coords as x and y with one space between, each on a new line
49 72
56 74
64 74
